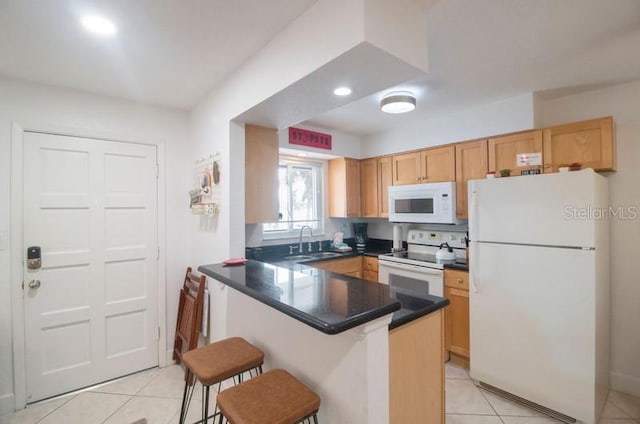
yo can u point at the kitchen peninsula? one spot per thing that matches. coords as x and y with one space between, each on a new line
335 332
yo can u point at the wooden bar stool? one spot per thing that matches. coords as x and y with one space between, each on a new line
275 397
214 363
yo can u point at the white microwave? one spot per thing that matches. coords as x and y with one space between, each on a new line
432 203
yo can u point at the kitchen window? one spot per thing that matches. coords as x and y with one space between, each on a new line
300 199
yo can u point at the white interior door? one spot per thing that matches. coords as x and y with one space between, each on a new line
91 205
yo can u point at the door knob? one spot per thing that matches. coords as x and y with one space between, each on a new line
34 284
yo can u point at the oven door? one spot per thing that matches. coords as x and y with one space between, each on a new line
407 278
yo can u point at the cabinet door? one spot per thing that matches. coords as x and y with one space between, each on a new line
471 164
385 177
369 187
406 169
344 188
456 334
353 187
503 150
261 174
438 164
589 142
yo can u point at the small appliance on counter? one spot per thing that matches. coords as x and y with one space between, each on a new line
360 234
445 254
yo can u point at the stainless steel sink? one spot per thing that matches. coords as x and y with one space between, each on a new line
297 258
323 255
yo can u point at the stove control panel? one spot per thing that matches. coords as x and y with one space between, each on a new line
436 238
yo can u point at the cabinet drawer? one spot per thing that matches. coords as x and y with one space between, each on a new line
370 275
456 279
369 263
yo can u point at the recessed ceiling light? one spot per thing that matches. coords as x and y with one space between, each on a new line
342 91
398 102
98 25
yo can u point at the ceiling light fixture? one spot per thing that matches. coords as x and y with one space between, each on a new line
398 102
342 91
98 25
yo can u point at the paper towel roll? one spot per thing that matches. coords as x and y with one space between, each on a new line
397 237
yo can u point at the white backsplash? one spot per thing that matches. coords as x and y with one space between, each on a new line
253 232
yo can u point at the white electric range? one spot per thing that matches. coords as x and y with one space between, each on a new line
416 270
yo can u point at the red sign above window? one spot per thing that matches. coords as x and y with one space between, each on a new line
309 138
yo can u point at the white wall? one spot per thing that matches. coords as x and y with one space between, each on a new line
623 103
508 115
39 106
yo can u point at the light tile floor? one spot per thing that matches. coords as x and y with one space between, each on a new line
156 394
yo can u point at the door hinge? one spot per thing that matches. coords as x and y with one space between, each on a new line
22 284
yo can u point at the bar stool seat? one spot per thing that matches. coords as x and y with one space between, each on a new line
275 397
213 363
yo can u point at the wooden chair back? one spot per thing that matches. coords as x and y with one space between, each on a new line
189 314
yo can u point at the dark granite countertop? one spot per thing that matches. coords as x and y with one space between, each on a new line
331 303
462 266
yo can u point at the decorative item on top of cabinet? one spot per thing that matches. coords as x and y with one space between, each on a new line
471 164
344 188
432 165
456 316
590 143
503 150
261 174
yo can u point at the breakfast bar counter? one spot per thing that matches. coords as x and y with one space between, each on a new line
328 302
372 355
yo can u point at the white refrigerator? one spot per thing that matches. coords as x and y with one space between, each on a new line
539 289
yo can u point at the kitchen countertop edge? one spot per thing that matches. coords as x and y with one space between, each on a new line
303 317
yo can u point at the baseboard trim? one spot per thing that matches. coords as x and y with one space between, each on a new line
170 360
625 383
6 404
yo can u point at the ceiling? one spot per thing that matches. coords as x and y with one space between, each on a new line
485 50
166 52
172 52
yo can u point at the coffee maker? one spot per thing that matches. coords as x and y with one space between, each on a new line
360 234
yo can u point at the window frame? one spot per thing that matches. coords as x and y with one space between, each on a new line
319 170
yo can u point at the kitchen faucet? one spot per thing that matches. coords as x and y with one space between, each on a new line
300 239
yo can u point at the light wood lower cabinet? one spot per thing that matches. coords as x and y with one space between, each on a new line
416 371
456 289
370 268
351 266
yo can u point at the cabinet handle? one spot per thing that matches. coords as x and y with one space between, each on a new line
459 280
547 165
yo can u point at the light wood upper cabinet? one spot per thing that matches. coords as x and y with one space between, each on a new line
344 188
590 143
471 164
406 168
261 174
426 166
385 179
375 178
503 150
369 187
438 164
